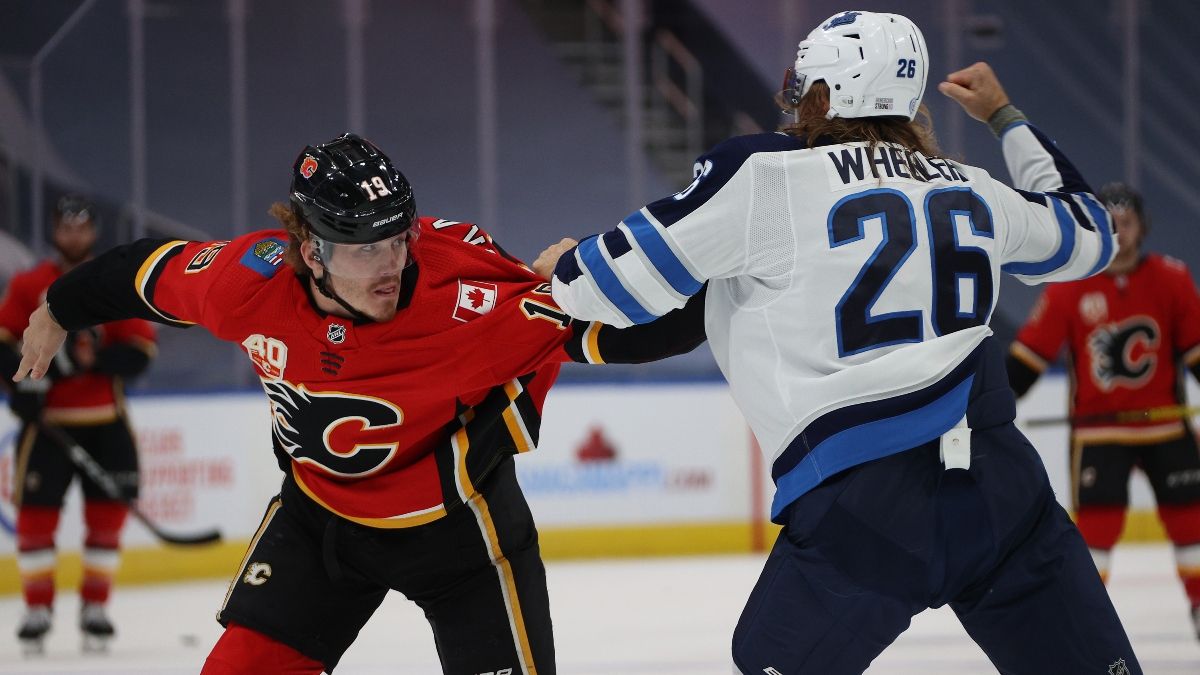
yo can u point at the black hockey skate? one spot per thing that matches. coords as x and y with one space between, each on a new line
32 631
97 630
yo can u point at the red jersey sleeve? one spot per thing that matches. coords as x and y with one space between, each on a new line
1045 331
519 335
199 282
543 325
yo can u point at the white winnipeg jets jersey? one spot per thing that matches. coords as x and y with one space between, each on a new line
848 284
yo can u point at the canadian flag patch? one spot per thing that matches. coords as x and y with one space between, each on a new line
475 298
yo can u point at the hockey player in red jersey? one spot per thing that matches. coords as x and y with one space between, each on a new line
82 392
406 360
1127 332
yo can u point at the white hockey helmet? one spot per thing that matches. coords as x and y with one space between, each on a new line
874 64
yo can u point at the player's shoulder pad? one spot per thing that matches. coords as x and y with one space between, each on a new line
29 284
21 278
259 252
717 167
720 163
453 230
44 272
1172 263
975 174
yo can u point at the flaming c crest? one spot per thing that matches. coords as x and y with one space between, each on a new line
308 167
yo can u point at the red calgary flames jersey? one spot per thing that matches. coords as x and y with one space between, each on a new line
1126 335
88 397
386 424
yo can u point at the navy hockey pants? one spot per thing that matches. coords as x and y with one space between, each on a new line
871 547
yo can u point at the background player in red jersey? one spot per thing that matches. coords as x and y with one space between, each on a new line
82 392
406 360
1127 332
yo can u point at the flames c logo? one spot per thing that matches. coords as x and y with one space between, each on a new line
345 434
1111 348
308 167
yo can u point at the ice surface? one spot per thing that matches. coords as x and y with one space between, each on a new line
627 617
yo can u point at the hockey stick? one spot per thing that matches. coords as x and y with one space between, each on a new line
90 467
1160 414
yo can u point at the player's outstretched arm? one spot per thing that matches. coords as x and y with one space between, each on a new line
1059 230
1035 163
676 332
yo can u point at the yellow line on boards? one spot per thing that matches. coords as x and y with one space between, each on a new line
160 564
157 564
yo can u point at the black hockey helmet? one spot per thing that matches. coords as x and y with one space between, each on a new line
74 208
1123 196
348 192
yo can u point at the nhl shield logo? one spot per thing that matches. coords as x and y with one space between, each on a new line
1119 668
336 333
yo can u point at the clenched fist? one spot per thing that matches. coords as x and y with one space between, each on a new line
976 89
544 265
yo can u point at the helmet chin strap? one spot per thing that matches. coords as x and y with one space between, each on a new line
323 286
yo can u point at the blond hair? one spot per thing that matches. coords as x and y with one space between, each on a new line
915 136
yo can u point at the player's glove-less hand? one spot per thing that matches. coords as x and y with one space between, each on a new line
27 399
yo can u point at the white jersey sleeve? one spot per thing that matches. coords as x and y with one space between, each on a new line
662 254
1057 229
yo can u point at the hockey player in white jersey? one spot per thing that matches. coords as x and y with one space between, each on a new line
851 274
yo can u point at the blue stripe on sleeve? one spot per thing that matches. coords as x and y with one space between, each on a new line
1066 228
1077 211
1100 215
1072 180
661 255
1032 197
608 283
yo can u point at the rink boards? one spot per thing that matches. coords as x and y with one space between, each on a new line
621 469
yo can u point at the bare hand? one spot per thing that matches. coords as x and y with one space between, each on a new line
41 341
548 259
976 89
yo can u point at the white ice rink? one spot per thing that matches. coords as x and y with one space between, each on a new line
616 617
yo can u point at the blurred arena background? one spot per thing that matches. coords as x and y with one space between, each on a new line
536 119
183 116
